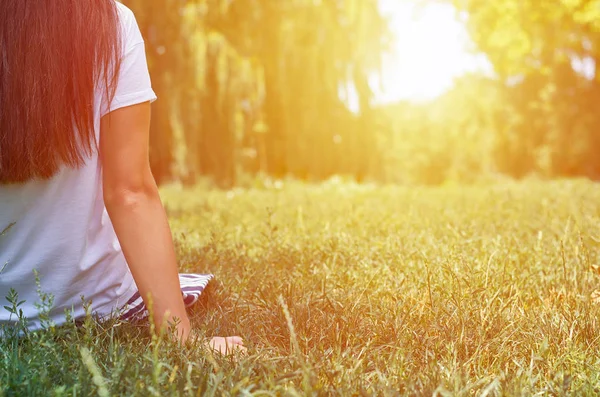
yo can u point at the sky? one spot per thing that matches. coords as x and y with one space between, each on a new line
432 48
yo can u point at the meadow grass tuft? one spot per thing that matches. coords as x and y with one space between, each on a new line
342 289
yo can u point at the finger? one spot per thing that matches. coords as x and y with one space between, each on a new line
235 340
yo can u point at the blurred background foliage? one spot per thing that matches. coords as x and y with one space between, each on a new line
260 88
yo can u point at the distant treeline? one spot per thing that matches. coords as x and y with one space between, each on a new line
540 114
251 86
259 87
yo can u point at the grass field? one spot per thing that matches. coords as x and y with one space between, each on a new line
342 289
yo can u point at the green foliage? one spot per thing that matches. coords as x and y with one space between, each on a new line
455 138
345 289
537 49
255 86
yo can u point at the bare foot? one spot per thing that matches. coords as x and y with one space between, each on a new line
228 345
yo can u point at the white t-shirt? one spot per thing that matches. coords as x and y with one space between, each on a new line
61 227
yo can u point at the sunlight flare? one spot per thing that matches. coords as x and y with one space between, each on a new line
432 47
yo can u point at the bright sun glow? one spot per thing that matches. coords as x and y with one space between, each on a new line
432 48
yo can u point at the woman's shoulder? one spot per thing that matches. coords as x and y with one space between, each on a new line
130 31
124 11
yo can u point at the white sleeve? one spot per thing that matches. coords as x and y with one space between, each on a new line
133 83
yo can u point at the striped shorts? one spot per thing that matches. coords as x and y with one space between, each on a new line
192 286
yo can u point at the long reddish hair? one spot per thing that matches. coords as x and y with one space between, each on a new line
53 54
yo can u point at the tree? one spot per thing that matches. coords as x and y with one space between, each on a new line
537 49
261 77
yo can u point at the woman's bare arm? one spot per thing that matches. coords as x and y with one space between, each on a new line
137 214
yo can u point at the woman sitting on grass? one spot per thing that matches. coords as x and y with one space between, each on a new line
78 203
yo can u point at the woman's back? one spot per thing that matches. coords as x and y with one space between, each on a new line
60 226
